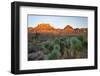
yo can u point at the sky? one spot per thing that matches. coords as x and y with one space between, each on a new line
58 21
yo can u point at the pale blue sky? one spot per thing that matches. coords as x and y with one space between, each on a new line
58 21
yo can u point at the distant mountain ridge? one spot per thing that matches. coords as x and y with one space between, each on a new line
44 27
47 28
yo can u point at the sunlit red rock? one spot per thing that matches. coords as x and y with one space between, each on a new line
47 28
68 29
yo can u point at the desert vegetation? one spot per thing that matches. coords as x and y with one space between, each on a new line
47 43
49 47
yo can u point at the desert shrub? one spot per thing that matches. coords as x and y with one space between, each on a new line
46 48
36 55
65 54
56 41
67 42
81 38
61 47
76 44
55 54
84 41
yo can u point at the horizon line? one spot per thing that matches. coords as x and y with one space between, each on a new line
54 27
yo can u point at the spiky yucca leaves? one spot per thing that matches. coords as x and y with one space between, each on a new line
55 54
83 40
52 50
72 47
65 54
76 44
65 48
76 47
47 47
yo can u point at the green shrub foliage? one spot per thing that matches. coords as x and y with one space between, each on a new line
60 48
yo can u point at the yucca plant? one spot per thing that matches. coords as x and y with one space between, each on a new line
55 54
76 47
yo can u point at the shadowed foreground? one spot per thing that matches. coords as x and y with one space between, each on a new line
50 47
